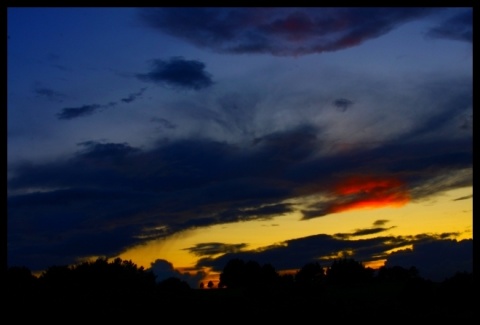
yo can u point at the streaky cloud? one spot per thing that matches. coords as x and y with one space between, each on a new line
85 110
49 94
130 98
278 31
69 113
463 197
458 28
209 249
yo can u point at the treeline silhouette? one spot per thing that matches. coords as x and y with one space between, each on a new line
346 289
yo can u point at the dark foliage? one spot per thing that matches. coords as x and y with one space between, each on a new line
119 290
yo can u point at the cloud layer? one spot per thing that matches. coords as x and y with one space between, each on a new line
278 31
125 194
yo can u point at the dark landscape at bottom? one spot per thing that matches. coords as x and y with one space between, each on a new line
119 290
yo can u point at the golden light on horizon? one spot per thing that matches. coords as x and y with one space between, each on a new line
437 215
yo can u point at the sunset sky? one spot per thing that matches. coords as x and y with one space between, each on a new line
180 138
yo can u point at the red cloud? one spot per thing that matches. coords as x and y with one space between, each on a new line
367 192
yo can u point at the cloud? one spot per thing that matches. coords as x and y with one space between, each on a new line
463 198
208 249
85 110
342 104
278 31
369 231
49 94
133 96
362 192
380 222
129 193
69 113
163 270
322 248
436 260
458 28
164 123
178 73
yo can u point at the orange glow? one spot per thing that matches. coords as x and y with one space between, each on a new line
375 264
370 193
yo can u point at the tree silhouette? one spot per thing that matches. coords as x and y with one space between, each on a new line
233 274
396 274
311 274
348 271
113 289
238 274
173 284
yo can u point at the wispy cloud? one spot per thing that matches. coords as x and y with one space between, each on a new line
458 27
209 249
50 94
69 113
133 96
278 31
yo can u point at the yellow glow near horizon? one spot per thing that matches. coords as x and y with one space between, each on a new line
440 214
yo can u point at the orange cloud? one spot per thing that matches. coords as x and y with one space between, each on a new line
367 192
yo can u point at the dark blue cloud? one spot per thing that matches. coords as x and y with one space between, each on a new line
342 104
458 27
69 113
49 94
85 110
164 123
436 259
322 248
130 193
178 73
209 249
133 96
278 31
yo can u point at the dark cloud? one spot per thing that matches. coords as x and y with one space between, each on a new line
208 249
380 222
133 194
164 123
133 96
436 260
458 27
342 104
369 231
278 31
163 270
49 94
178 73
69 113
463 198
85 110
295 253
111 151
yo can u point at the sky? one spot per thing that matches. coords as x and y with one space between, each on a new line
181 138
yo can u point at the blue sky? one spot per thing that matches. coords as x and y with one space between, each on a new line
129 126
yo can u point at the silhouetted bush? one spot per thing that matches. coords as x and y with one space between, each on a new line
311 274
348 271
